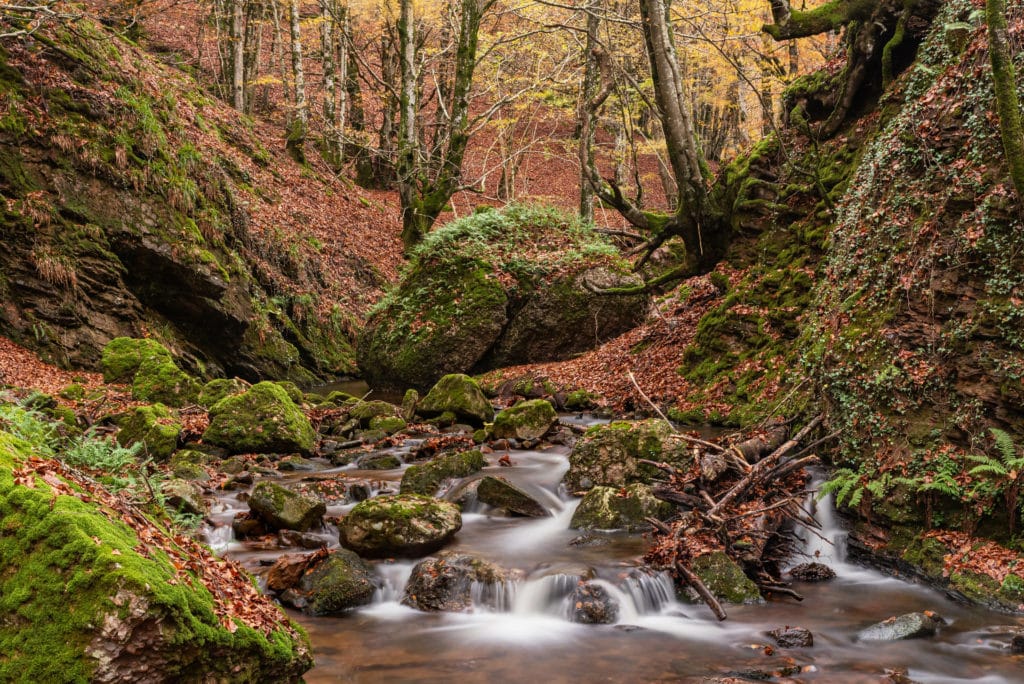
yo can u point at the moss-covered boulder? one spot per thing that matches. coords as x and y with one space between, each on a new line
83 598
160 379
467 303
529 419
458 394
401 526
389 425
725 578
263 420
217 389
123 356
502 494
899 627
333 585
366 411
155 427
427 478
608 508
183 496
283 509
451 581
608 455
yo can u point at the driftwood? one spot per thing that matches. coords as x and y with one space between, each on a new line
754 449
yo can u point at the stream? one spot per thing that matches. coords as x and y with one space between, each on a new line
519 632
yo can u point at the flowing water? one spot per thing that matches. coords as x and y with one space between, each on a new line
519 631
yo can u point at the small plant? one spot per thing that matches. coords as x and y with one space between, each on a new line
847 485
30 426
1004 471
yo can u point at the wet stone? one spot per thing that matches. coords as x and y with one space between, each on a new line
812 572
908 626
792 637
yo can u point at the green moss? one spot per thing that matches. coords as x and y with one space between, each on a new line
262 420
529 419
458 394
154 427
73 392
613 508
387 424
160 379
725 579
425 479
927 554
123 356
217 389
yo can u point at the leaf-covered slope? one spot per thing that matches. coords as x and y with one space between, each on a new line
134 203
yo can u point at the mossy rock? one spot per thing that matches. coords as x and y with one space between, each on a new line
526 420
366 411
427 478
458 394
155 427
336 585
73 392
38 401
184 496
217 389
607 508
160 379
292 390
77 599
580 400
123 356
609 455
404 525
283 509
387 424
448 582
410 401
262 420
725 578
382 461
502 494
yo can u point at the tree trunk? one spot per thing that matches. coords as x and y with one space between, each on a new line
588 116
406 163
299 128
1005 81
237 55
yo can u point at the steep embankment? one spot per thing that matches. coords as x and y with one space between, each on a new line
133 203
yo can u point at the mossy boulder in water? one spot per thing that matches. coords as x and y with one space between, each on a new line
500 493
262 420
82 598
427 478
609 455
283 509
155 427
215 390
160 379
467 303
908 626
403 526
123 356
449 581
332 585
608 508
460 395
366 411
526 420
725 578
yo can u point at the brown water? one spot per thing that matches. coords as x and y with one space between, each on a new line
527 639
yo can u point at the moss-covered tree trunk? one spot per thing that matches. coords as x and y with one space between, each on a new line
1005 80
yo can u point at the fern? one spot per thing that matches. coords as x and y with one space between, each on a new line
845 486
1004 445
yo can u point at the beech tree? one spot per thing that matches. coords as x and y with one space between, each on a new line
1005 81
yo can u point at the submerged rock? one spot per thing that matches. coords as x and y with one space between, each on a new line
608 508
334 584
262 420
526 420
451 581
608 455
908 626
792 637
403 526
427 478
152 426
591 604
812 572
459 395
500 493
283 509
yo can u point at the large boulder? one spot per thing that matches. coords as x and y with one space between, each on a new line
262 420
402 525
160 379
324 584
500 493
468 304
609 454
283 509
725 578
608 508
460 395
451 581
83 598
123 356
529 419
217 389
427 478
153 426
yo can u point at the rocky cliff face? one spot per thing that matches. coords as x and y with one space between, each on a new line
126 198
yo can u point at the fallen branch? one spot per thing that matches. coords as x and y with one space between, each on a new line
709 598
658 525
646 398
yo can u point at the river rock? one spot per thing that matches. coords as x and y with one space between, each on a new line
446 583
405 525
459 395
155 427
332 585
122 357
379 461
217 389
500 493
160 379
608 508
908 626
526 420
366 411
283 509
792 637
184 496
608 455
427 478
812 572
262 420
592 604
725 578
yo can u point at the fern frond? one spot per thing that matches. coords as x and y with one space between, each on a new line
993 468
1004 444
